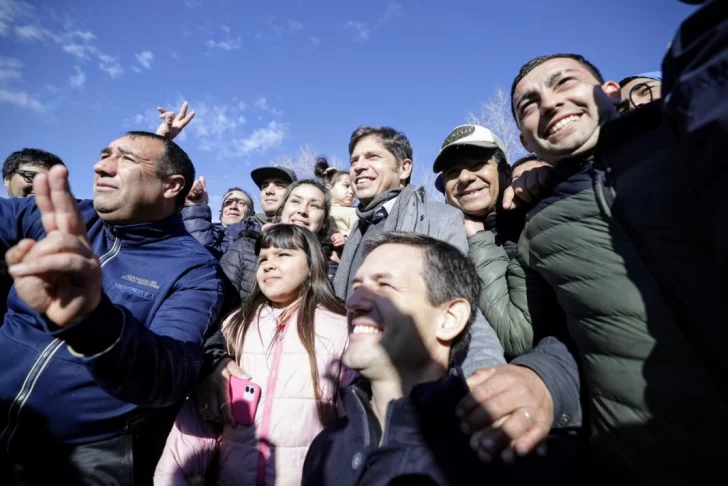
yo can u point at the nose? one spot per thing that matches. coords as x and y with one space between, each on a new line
358 301
466 177
106 167
358 167
268 190
550 103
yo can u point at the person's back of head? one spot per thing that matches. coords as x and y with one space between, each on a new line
22 166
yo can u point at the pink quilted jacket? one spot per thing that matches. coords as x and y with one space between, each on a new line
272 449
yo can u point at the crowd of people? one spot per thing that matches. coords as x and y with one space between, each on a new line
558 320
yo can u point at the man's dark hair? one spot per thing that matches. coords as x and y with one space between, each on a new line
29 156
537 61
524 159
174 161
448 275
394 141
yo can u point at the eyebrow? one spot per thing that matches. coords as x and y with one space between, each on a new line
123 151
550 82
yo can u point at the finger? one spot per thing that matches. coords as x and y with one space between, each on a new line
17 253
67 216
44 203
226 410
202 183
161 110
494 406
531 440
184 121
67 263
470 401
544 177
237 371
182 111
508 197
495 439
57 242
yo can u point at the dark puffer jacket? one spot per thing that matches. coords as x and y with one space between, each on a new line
641 300
213 236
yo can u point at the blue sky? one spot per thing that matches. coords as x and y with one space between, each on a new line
266 78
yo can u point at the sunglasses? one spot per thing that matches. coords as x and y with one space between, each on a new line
27 175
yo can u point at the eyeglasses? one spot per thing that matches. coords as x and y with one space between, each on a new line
640 94
27 175
229 202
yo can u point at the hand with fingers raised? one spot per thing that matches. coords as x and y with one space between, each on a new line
172 124
59 275
198 194
509 410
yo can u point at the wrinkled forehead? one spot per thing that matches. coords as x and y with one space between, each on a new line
142 147
235 195
543 75
370 143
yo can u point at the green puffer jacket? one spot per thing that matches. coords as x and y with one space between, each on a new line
613 248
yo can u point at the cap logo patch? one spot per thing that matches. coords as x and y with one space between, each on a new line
457 134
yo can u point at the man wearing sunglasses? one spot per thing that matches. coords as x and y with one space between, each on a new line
21 167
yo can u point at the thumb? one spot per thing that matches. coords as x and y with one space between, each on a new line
509 196
202 181
236 371
480 376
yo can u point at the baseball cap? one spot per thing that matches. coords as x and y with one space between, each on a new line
260 174
473 135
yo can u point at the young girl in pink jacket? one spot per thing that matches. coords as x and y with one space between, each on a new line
289 336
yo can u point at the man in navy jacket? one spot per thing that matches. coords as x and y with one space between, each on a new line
111 303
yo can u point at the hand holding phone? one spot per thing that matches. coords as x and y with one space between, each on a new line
245 397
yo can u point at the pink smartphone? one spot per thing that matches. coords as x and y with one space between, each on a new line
245 397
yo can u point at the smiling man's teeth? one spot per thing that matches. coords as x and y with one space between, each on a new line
563 123
366 330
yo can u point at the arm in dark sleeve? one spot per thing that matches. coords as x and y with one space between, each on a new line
153 366
552 361
240 263
198 223
19 218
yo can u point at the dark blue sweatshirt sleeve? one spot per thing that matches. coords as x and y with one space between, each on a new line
198 223
153 366
19 218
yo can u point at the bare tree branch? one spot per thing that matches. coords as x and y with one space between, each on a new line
495 115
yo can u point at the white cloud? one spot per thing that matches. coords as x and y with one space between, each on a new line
79 79
175 56
135 69
241 119
29 32
145 58
295 25
110 66
22 100
315 40
139 118
242 106
261 139
225 45
261 103
225 28
10 68
9 11
79 50
360 30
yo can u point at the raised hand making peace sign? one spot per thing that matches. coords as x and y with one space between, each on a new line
59 275
172 124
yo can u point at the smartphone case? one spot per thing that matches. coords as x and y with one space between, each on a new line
245 397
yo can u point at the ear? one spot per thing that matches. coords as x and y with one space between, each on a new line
405 170
613 91
454 319
524 143
173 186
6 182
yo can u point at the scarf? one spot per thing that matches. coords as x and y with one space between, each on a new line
408 214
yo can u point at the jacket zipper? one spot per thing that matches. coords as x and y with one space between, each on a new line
39 366
263 447
367 439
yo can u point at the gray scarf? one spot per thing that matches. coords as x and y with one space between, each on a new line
409 214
